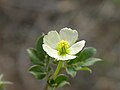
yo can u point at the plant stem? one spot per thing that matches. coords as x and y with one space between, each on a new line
57 69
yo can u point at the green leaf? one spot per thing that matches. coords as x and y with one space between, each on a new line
3 83
78 66
60 81
61 78
71 71
36 68
86 69
52 83
83 55
39 47
63 83
37 71
87 53
90 61
33 56
38 75
39 43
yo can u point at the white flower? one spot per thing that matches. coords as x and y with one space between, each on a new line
61 46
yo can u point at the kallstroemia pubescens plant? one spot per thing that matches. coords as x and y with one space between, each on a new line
62 50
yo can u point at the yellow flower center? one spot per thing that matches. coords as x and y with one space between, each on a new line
63 47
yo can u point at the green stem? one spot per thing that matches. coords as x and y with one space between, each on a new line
57 69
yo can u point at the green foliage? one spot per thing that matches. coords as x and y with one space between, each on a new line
90 61
71 71
38 47
83 60
33 56
3 83
86 69
38 71
60 81
40 68
87 53
37 54
41 65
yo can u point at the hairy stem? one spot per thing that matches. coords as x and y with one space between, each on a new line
57 69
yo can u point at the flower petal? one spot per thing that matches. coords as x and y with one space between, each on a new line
69 35
66 57
51 52
77 47
54 54
51 39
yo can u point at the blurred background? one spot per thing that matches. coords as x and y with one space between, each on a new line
97 21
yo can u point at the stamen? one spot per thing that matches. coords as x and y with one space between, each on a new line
63 47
